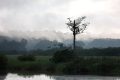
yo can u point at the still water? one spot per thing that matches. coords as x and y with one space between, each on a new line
47 77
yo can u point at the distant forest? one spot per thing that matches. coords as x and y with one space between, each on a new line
96 47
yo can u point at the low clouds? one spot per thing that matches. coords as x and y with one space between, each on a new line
13 3
51 15
30 15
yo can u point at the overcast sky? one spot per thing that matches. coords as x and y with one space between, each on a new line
51 15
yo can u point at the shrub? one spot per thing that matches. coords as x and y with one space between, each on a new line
94 66
76 67
51 68
3 63
63 56
26 58
36 67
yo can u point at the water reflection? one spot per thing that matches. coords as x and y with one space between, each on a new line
2 77
45 77
34 77
86 78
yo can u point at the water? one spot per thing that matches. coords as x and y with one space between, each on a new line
46 77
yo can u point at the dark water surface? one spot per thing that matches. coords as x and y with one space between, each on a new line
10 76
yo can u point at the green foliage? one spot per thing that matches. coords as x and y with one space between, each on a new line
26 58
111 51
35 67
77 66
94 66
99 51
84 65
51 68
39 65
63 56
3 64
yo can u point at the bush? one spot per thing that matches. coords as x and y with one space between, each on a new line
26 58
36 67
93 66
51 68
76 67
63 56
3 63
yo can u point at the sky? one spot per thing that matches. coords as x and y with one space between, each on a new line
47 18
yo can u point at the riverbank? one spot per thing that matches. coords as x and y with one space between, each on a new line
87 65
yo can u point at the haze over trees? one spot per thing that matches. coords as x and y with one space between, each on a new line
12 44
7 44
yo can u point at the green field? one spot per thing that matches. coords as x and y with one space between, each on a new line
87 65
16 65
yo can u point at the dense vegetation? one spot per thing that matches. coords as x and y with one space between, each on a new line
94 66
26 58
3 64
63 56
63 62
79 51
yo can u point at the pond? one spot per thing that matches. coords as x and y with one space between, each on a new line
10 76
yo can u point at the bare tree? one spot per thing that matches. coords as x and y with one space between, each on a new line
77 26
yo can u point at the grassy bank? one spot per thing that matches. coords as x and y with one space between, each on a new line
87 65
38 65
82 66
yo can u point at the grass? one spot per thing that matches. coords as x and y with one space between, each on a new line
43 59
12 59
15 65
42 64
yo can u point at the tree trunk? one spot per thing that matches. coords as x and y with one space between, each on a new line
74 35
74 42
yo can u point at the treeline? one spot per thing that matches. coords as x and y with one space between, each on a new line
23 46
111 51
8 44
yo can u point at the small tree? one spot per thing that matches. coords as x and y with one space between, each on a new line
77 26
63 56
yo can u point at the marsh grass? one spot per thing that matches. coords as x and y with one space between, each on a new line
88 65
